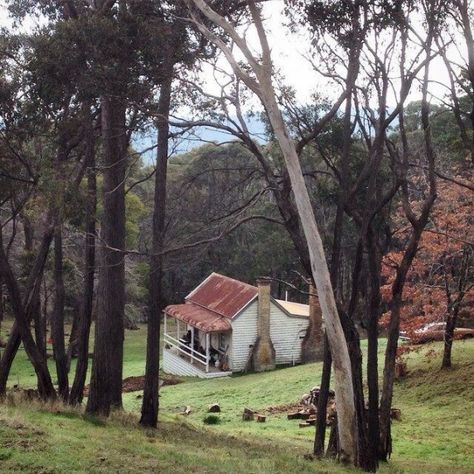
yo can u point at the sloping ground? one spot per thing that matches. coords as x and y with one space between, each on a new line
436 433
36 440
437 428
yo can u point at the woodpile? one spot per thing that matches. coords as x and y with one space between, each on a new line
308 406
305 410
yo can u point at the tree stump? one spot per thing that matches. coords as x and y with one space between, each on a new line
214 408
400 370
248 414
396 414
261 418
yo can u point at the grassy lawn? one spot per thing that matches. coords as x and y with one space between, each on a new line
436 433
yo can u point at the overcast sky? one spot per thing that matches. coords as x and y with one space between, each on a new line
288 53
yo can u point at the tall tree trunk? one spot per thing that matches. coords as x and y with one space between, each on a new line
321 414
262 86
394 328
352 73
45 385
73 337
106 380
57 321
466 22
33 286
85 315
449 336
373 424
2 311
340 354
39 318
40 321
150 405
418 224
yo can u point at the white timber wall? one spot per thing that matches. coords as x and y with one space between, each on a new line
244 334
286 333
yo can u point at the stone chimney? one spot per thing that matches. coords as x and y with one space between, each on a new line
263 356
312 345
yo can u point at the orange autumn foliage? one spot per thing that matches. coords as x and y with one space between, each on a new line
436 269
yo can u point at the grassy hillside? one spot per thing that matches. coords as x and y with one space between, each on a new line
436 433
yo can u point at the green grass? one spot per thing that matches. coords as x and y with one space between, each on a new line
23 375
436 433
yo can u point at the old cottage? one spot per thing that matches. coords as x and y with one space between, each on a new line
228 326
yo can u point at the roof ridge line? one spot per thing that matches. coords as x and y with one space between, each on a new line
206 308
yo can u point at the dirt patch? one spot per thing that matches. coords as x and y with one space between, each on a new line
287 408
137 383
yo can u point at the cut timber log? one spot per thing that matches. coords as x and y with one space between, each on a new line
214 408
311 421
294 416
305 425
396 414
248 414
400 370
261 418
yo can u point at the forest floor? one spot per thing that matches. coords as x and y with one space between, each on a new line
436 433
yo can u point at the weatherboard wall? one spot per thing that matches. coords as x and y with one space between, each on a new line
286 333
244 334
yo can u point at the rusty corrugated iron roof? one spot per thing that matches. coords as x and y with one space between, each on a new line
199 317
223 295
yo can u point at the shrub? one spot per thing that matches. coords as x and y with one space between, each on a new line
211 420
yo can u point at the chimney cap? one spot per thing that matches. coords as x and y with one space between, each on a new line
261 281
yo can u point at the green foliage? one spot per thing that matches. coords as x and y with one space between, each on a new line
134 211
209 189
444 128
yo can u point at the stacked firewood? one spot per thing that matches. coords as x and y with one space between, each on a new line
308 407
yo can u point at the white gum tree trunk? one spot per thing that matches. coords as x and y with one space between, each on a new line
261 84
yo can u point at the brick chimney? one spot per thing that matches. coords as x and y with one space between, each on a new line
312 345
263 357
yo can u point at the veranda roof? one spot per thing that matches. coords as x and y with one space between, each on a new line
199 317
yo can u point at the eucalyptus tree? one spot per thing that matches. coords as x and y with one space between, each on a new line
259 81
